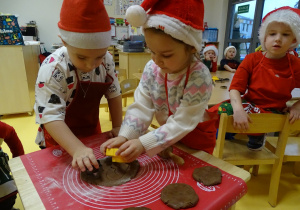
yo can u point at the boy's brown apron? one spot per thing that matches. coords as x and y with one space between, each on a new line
82 114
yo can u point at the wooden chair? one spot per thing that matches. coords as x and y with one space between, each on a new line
122 74
128 87
236 152
292 149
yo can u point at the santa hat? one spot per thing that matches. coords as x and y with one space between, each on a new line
287 15
85 24
183 20
228 48
210 47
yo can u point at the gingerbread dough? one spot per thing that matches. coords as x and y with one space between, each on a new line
208 175
179 196
137 208
111 173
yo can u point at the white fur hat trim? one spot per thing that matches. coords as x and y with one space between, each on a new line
176 29
228 48
97 40
211 47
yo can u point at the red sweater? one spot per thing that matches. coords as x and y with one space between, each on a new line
267 95
11 138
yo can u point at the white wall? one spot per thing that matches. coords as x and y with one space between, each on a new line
215 15
46 15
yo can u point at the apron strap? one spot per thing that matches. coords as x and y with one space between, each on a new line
166 87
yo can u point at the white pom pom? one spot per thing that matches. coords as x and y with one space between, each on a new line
136 15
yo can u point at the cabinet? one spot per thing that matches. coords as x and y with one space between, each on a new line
19 67
133 62
114 52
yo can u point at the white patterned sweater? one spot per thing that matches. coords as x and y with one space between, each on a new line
56 86
187 105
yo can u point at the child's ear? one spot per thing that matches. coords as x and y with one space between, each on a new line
64 43
194 50
295 40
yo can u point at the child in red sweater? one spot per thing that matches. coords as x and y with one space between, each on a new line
266 79
8 188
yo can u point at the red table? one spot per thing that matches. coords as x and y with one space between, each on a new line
59 186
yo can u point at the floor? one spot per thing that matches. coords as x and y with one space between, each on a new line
258 186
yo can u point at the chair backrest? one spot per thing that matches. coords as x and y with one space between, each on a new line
122 74
295 126
261 123
128 86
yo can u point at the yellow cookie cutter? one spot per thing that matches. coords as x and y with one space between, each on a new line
214 78
112 152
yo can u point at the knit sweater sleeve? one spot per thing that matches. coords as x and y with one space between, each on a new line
187 105
140 113
214 66
11 138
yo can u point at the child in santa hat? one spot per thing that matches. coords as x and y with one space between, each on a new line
210 53
175 86
266 79
8 189
228 63
73 79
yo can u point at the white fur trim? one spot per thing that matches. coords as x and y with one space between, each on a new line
176 29
98 40
207 48
283 16
136 15
227 48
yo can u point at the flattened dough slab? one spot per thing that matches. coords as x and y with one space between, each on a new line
111 173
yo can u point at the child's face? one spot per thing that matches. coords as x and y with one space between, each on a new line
86 60
170 55
278 39
209 55
230 54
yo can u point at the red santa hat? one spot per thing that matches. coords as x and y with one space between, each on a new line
183 20
85 24
210 47
228 48
287 15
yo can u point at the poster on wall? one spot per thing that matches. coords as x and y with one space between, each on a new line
108 2
122 5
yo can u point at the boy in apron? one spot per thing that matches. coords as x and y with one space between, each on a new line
73 79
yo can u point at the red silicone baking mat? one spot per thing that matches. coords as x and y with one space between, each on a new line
60 186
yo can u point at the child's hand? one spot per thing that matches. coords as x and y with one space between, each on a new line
84 158
214 59
241 120
115 131
294 112
233 70
131 150
111 143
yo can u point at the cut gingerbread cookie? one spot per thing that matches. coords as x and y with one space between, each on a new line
208 175
179 196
